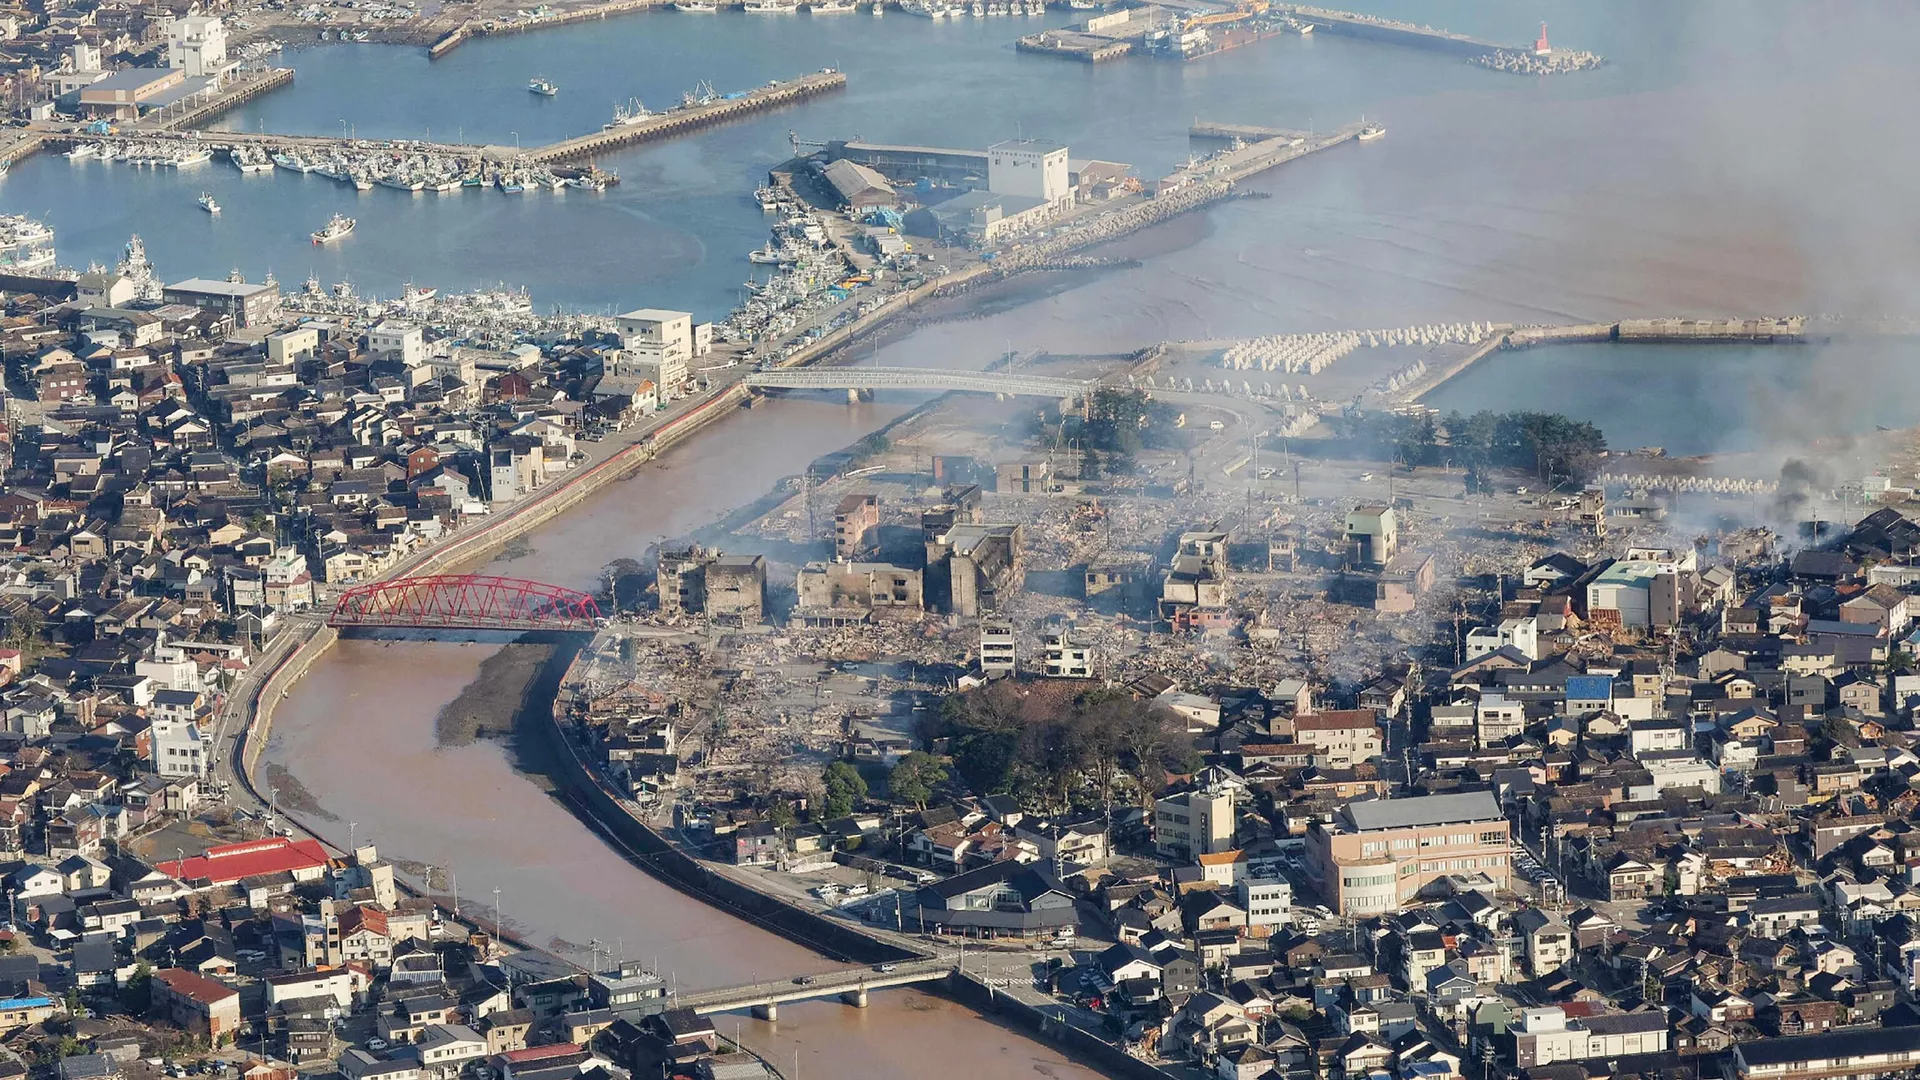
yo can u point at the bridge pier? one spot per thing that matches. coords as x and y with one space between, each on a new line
856 998
770 1012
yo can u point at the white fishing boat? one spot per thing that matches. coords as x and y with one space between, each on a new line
1370 132
833 7
543 86
81 152
697 7
338 226
207 203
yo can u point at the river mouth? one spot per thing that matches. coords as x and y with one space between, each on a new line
1701 399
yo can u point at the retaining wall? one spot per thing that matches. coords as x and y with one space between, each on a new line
1088 1047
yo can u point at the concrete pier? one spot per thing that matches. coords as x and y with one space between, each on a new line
856 998
770 1012
680 121
1391 31
665 125
245 88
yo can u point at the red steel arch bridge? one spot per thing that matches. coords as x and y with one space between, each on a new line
464 602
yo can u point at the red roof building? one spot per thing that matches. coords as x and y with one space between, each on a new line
228 863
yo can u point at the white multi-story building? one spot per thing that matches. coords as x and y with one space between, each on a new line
660 345
1267 901
178 750
1190 824
198 44
404 340
1030 168
1522 634
1546 1035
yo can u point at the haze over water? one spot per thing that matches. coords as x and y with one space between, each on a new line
1734 157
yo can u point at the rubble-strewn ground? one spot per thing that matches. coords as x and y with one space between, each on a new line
763 708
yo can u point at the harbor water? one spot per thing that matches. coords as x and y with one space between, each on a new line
1669 182
1736 398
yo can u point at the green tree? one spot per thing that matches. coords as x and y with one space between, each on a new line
984 760
914 777
136 996
780 815
845 788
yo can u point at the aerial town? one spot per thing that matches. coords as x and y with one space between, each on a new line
1218 708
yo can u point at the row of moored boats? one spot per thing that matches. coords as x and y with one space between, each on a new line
171 156
414 171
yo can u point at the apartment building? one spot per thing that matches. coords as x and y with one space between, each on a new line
1546 1035
1377 855
1341 738
1858 1054
1194 823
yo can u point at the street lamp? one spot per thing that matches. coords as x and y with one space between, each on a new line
516 140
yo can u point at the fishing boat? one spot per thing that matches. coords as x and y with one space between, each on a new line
339 226
1370 132
768 255
627 115
81 152
770 7
697 7
833 7
542 86
207 203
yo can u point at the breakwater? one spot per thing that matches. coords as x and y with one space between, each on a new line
1669 331
690 118
1393 32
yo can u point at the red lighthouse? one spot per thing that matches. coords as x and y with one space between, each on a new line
1541 48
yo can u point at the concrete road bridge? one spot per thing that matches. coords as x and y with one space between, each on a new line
867 379
850 985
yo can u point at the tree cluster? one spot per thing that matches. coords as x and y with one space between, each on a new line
1550 445
1053 759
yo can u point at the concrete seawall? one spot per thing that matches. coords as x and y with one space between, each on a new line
1762 331
680 121
601 809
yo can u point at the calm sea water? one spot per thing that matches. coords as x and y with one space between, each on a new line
1724 397
675 232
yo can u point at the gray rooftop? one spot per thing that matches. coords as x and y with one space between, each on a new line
1468 806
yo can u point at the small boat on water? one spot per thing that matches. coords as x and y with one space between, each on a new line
81 152
543 86
1372 132
697 7
339 226
207 203
833 7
